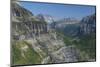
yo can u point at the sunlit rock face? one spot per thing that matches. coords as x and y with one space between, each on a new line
47 18
25 23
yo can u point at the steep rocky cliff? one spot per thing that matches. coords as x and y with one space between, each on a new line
24 23
88 24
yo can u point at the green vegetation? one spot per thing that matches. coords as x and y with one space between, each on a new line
85 44
29 57
67 39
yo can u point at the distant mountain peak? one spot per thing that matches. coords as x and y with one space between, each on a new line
47 18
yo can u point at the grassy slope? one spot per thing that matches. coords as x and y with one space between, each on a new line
31 57
87 44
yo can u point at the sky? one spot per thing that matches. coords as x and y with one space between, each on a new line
59 11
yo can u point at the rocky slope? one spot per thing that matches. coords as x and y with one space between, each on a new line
50 49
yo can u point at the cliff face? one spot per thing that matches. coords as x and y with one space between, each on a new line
24 23
88 24
19 16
